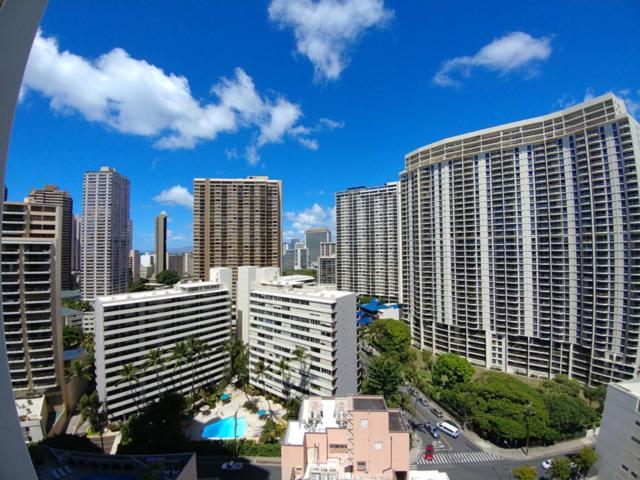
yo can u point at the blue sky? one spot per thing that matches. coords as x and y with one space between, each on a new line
321 94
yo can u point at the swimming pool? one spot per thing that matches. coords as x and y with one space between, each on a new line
225 428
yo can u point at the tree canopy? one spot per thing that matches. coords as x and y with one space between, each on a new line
585 459
76 304
525 472
139 285
168 277
392 337
451 369
560 469
384 376
71 337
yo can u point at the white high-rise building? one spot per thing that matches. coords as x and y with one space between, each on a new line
76 233
106 231
129 325
301 257
521 248
619 437
367 245
327 249
249 276
283 315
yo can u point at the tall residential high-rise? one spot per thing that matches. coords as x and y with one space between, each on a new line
327 249
106 231
301 257
52 195
367 241
318 321
236 222
200 310
327 270
76 233
31 239
161 242
313 237
520 244
134 264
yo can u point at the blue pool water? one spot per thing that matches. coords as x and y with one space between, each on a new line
225 428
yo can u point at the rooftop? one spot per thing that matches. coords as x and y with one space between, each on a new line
306 292
631 386
177 289
30 408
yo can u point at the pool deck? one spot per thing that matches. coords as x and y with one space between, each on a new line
229 409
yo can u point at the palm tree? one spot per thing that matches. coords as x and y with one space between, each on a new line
155 360
196 349
238 365
283 366
79 369
89 409
301 356
260 369
129 374
179 354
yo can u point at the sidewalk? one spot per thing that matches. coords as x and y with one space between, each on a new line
535 453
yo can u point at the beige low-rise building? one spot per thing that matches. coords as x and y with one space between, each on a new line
338 438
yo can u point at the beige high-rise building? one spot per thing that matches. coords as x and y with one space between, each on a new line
236 222
52 195
30 297
106 233
161 242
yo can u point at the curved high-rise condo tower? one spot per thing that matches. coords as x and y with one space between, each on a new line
521 244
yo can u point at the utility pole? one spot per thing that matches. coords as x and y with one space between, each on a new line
528 412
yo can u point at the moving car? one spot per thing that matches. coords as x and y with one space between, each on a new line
449 429
436 412
428 452
546 464
432 429
422 401
231 467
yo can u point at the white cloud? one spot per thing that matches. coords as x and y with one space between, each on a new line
330 124
325 30
174 196
135 97
176 237
631 100
514 51
314 216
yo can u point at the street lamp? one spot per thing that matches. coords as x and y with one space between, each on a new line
528 412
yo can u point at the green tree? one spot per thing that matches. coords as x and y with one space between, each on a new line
139 285
81 370
89 409
129 374
585 460
597 395
76 304
560 469
260 369
197 351
155 361
168 277
71 337
283 367
384 377
238 366
392 337
308 272
568 414
451 369
301 355
179 355
427 358
525 472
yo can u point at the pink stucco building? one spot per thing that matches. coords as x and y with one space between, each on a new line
346 438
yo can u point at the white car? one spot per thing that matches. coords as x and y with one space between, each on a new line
547 464
231 467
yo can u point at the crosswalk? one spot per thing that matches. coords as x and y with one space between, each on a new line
459 457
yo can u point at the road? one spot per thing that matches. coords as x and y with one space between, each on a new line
209 468
459 457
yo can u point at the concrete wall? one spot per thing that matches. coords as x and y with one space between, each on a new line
18 24
346 347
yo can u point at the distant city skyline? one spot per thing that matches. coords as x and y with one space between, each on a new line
339 125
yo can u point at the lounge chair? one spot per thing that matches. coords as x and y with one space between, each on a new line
55 474
67 470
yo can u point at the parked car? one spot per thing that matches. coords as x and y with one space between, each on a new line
428 452
231 466
432 429
436 412
546 464
422 401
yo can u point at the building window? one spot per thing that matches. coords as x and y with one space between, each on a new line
364 423
377 445
635 440
625 468
337 448
361 466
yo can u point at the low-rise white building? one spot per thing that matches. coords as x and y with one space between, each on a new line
128 326
32 413
284 315
618 446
